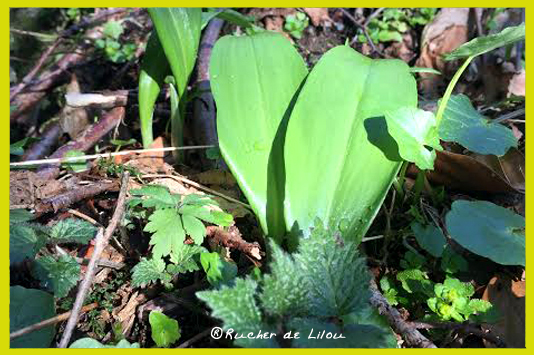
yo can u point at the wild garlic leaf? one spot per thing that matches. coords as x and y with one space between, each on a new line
414 130
488 230
464 125
168 232
58 276
72 230
156 196
164 330
149 271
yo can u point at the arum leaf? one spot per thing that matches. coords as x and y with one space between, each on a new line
27 307
179 33
154 69
483 45
339 158
414 130
165 331
430 238
463 124
488 230
253 80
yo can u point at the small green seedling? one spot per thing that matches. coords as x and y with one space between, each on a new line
296 24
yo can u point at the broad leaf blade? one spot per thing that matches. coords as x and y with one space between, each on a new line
485 44
340 159
179 34
430 238
58 276
165 331
488 230
253 79
154 68
463 124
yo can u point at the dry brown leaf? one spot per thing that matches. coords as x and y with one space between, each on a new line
508 296
445 33
517 84
215 177
318 15
465 173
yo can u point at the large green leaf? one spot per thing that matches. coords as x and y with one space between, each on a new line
253 80
339 158
27 307
488 230
179 33
485 44
463 124
154 69
165 331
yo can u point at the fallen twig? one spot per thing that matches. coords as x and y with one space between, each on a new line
50 321
44 145
232 239
92 135
74 195
100 262
104 101
105 155
461 327
102 240
410 334
363 27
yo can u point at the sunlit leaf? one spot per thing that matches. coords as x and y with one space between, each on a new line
414 130
481 45
165 331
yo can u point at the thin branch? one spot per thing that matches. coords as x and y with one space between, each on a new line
49 321
462 327
105 155
410 334
102 240
364 30
100 262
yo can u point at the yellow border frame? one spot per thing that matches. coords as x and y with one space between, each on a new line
4 136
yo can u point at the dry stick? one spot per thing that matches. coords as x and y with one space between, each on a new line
194 339
105 155
45 144
198 186
363 28
461 327
29 77
92 135
100 262
411 335
49 321
102 240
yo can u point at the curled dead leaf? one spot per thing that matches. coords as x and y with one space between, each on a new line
318 15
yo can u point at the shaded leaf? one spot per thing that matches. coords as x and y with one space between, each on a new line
414 130
20 215
24 242
149 270
58 276
165 331
184 259
72 230
89 343
488 230
218 271
463 124
27 307
430 238
481 45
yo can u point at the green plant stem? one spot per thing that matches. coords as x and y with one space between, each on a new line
450 88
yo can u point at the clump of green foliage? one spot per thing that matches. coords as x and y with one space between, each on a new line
296 24
392 23
323 286
111 45
171 218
